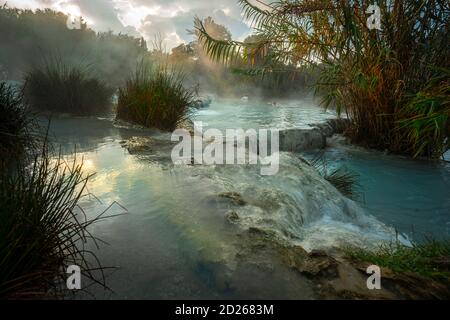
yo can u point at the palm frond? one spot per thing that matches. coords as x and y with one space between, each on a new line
219 50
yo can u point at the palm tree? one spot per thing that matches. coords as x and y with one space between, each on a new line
374 76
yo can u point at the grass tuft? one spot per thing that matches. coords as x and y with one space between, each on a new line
343 180
17 127
155 98
57 87
42 229
430 258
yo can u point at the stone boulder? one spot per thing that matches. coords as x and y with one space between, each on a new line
295 140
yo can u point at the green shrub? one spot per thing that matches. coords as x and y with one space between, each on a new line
56 87
155 98
426 117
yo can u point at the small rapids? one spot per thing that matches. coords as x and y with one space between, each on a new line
188 228
296 205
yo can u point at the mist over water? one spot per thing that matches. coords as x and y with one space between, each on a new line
177 240
265 114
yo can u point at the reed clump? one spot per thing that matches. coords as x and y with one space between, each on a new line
18 129
57 87
155 97
43 229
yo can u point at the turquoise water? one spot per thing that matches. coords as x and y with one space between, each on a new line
174 240
230 114
411 195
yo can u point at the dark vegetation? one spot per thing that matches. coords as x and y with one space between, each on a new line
42 229
56 87
156 98
235 78
28 37
343 179
41 232
18 130
392 83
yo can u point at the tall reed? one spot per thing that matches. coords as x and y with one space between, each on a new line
155 97
58 87
42 229
18 129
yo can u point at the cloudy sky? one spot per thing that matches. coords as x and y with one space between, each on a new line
170 18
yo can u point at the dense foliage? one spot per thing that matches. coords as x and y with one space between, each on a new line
393 83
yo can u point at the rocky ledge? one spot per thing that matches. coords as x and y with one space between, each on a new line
295 140
333 275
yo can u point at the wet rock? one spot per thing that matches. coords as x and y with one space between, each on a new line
326 129
232 216
339 141
264 198
202 102
147 145
351 284
333 126
136 145
295 140
316 263
258 232
119 123
235 197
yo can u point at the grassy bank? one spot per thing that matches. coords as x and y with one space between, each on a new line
430 258
155 98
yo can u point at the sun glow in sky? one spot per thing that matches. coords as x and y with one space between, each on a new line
147 18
